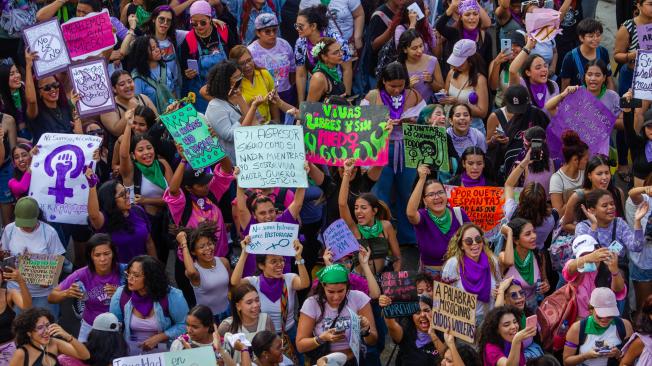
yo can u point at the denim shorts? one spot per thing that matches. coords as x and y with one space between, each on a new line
638 274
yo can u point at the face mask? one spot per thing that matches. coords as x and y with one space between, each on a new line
588 267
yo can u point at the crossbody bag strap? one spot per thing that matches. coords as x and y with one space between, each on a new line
284 306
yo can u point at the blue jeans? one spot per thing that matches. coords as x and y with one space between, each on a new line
394 188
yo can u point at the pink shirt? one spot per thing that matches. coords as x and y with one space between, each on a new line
20 187
585 284
493 353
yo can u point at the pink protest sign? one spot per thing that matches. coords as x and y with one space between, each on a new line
89 35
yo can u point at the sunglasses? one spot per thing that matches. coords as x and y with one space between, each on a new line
201 23
164 20
469 241
98 132
50 86
517 294
298 26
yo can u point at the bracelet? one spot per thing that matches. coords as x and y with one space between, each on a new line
318 341
299 262
527 51
365 333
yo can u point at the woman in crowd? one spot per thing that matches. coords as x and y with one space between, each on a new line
500 340
475 169
326 316
152 76
626 44
405 19
251 9
104 344
462 133
498 76
639 346
469 26
13 97
435 223
433 115
208 274
8 141
326 82
21 156
423 69
200 326
153 312
639 268
571 174
124 89
365 280
141 119
94 284
268 348
162 26
459 353
256 82
600 335
12 300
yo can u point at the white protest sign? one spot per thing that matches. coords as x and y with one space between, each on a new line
47 41
270 156
58 181
354 341
91 81
273 238
200 356
642 82
340 240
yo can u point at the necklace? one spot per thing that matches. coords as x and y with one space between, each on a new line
211 266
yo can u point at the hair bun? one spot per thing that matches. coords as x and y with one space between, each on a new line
570 137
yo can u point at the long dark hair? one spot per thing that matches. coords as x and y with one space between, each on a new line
116 220
601 65
320 294
383 212
25 322
543 164
475 150
591 201
247 6
594 162
105 346
533 204
572 145
526 66
476 67
489 329
393 71
95 241
156 281
643 323
401 18
237 294
404 42
205 316
18 175
150 25
262 342
140 51
8 105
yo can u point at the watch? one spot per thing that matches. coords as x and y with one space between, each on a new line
299 262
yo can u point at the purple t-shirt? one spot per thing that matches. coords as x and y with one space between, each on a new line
432 243
97 300
493 353
130 244
250 263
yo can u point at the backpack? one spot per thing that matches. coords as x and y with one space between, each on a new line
164 302
555 315
387 54
578 62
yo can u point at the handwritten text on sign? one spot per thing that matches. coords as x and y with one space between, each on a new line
642 83
425 145
91 81
58 182
483 205
273 238
644 37
334 133
454 309
270 156
88 35
200 356
340 240
402 289
190 130
40 269
47 41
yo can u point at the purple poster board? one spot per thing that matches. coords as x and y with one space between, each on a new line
586 115
90 80
340 240
46 39
645 37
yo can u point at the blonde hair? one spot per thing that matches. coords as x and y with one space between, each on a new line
455 249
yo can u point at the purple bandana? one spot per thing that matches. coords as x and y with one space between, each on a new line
395 104
144 305
648 151
272 288
471 34
470 182
467 5
203 202
539 92
422 339
475 279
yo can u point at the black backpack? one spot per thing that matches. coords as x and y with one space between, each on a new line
387 54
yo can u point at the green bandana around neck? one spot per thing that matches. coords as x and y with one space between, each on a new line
443 222
370 232
335 273
153 173
330 71
525 267
592 327
15 95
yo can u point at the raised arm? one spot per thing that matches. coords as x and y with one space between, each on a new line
395 329
515 175
636 194
244 216
413 204
519 60
299 194
190 270
303 281
507 257
343 197
21 298
30 88
236 276
95 216
126 165
553 103
50 10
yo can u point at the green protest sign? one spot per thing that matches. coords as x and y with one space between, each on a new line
190 130
334 133
425 145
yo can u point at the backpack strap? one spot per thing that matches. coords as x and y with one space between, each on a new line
382 16
613 230
458 215
502 119
620 328
582 334
578 63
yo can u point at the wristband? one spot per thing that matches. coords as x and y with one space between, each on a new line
527 51
299 262
92 180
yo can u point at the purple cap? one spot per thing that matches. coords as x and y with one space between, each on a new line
201 7
265 20
463 49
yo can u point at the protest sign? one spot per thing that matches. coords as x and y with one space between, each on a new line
58 182
88 35
47 41
402 289
354 338
190 130
270 156
642 82
543 24
589 117
426 145
273 238
454 309
334 133
200 356
91 81
340 240
40 269
483 205
644 32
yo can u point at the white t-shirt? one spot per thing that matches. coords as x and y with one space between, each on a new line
340 12
561 183
273 309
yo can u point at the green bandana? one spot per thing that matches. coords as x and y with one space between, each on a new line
330 71
443 222
335 273
153 173
370 232
142 15
594 328
522 321
525 267
325 2
15 95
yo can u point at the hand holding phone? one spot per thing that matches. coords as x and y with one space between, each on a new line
531 322
615 247
506 46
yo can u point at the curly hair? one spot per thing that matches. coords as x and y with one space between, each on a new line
25 322
156 281
205 229
140 55
105 346
316 15
219 79
533 204
489 328
455 248
237 294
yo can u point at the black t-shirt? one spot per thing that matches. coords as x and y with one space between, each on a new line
331 187
375 28
57 120
408 353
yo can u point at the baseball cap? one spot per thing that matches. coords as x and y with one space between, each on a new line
26 212
603 301
463 49
516 99
518 38
336 359
265 20
201 7
583 244
647 119
106 322
192 176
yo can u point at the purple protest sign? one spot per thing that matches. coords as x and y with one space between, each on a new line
644 37
90 80
340 240
585 114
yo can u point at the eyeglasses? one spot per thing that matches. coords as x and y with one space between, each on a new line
42 327
517 294
433 194
277 262
164 20
346 261
270 31
134 275
245 62
469 241
298 26
97 132
123 194
50 86
201 23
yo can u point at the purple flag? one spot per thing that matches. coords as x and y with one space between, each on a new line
585 114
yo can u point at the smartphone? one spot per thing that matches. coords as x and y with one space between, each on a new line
499 130
615 247
536 149
415 8
193 65
531 321
506 46
439 96
9 262
632 103
340 330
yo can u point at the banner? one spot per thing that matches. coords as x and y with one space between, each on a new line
58 182
644 32
91 81
426 145
88 35
642 82
402 289
40 269
590 118
334 133
46 39
273 238
270 156
340 240
200 356
190 130
454 309
483 205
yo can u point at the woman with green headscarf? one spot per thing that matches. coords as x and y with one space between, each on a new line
331 316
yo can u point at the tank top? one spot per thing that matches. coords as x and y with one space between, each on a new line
609 337
334 88
141 329
6 319
422 87
39 359
149 189
630 25
214 287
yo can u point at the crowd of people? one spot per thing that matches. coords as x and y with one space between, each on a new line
162 263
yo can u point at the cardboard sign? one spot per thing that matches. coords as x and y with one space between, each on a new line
426 145
270 156
340 240
588 116
88 35
483 205
91 81
644 37
401 288
454 309
46 39
334 133
190 130
58 181
642 82
40 269
273 238
200 356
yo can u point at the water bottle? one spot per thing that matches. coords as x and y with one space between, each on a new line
80 285
560 337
